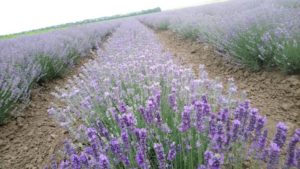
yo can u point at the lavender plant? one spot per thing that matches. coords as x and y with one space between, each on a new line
258 34
28 59
134 108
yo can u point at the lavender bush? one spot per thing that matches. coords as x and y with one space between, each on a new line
259 34
28 59
135 108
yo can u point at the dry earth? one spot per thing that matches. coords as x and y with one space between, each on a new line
276 95
28 141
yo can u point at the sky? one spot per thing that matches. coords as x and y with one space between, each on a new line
23 15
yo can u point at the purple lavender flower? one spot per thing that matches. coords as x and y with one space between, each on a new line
280 136
224 115
207 156
206 109
129 119
204 99
94 141
238 113
117 151
144 114
75 162
141 159
103 162
252 122
141 135
83 159
219 138
261 151
290 158
298 158
201 167
158 118
102 130
172 100
259 126
212 126
122 107
241 112
65 164
53 162
160 155
89 150
274 156
185 119
125 138
157 98
150 108
199 115
297 132
172 152
235 129
216 161
68 148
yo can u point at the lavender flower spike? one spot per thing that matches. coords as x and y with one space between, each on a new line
103 162
290 158
141 159
160 155
207 156
185 119
298 158
274 156
64 164
172 152
75 162
235 128
280 135
216 161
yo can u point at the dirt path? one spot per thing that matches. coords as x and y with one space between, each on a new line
274 94
29 141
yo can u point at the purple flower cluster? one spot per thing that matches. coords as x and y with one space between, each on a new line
160 155
185 119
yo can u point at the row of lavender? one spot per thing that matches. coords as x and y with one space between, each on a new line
256 33
135 108
28 59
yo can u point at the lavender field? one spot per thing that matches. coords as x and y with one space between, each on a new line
133 106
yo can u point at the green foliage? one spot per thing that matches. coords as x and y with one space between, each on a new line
52 67
73 55
250 49
164 25
189 32
258 48
287 57
6 106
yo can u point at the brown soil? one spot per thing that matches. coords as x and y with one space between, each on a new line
29 140
276 95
